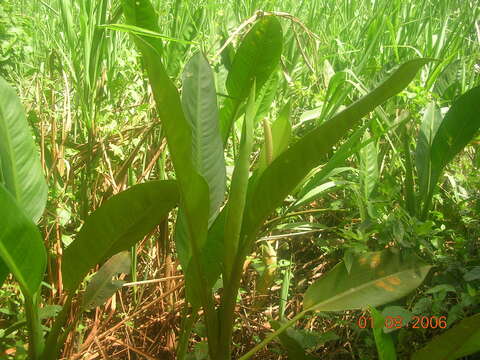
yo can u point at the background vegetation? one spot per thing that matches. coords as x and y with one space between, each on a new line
94 119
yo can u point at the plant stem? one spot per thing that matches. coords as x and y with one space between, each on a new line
36 342
187 325
227 311
52 338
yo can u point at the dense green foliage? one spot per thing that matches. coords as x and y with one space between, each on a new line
307 166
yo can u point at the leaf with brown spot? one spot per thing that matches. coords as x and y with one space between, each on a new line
394 280
392 277
381 284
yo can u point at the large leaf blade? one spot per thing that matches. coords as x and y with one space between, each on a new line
256 58
282 176
199 102
456 130
21 245
119 223
461 340
20 167
374 279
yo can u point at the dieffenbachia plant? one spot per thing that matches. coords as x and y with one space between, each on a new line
213 239
213 235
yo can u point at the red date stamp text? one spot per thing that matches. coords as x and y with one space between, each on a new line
397 322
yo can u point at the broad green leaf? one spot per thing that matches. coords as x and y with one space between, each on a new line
430 123
199 102
281 134
441 288
20 169
256 58
374 279
102 287
383 341
456 130
461 340
117 225
21 245
369 172
268 191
